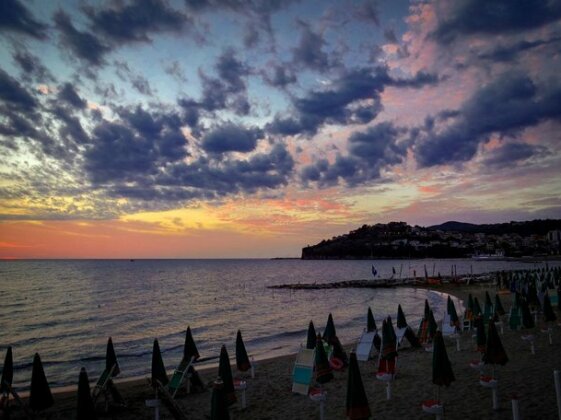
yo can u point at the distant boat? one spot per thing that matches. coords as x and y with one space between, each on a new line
499 255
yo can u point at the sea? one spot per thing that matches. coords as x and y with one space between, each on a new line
66 309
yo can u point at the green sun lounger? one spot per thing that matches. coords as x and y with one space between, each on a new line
303 371
179 376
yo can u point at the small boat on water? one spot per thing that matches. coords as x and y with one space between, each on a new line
499 255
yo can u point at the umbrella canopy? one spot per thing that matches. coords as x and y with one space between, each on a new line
481 338
527 318
476 308
338 351
433 326
389 340
311 341
357 403
451 309
219 403
158 368
548 314
86 408
323 369
370 322
225 373
7 371
111 358
40 397
329 332
242 360
470 303
401 322
499 309
190 348
427 309
441 368
494 350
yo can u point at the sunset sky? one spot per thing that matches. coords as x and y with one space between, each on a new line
233 128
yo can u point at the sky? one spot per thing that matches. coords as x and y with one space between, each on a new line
251 129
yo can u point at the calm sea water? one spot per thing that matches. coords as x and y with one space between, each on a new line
66 310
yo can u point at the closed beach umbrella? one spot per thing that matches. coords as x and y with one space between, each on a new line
451 309
548 314
40 397
494 351
86 408
427 309
190 348
401 322
357 403
480 334
219 403
370 322
433 326
389 340
499 309
441 368
488 311
329 332
7 372
242 360
158 368
311 340
476 307
527 318
225 373
323 370
111 359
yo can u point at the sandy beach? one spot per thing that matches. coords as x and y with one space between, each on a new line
529 377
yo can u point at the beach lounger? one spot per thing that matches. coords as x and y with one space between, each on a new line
165 397
400 334
180 375
447 328
303 371
102 383
364 347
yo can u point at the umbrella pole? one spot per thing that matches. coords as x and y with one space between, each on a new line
458 348
557 381
252 367
389 390
515 408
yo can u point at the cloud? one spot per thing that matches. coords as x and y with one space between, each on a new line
12 93
496 17
367 12
308 53
69 95
281 76
509 103
32 66
135 20
231 138
506 53
511 153
84 45
14 17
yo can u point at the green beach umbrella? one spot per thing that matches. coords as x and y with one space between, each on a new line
219 403
311 340
322 367
85 409
329 332
158 368
476 307
190 348
225 373
494 351
40 397
111 358
370 321
389 340
481 338
441 368
451 309
470 303
432 326
527 318
499 309
548 314
516 302
242 360
7 372
401 322
488 308
427 309
357 403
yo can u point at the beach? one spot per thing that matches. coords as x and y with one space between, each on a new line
528 377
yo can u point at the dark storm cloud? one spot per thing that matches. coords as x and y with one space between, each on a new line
134 21
368 153
231 138
510 52
308 53
12 93
71 129
511 153
68 94
468 17
32 67
508 104
84 45
14 17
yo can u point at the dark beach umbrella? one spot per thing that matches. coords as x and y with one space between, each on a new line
499 309
494 351
548 314
441 368
219 403
329 332
242 360
225 373
40 397
86 408
480 334
158 368
476 307
427 309
338 351
389 340
470 303
357 403
451 309
7 371
111 359
433 326
323 370
527 318
517 300
488 305
401 322
370 321
311 341
190 348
